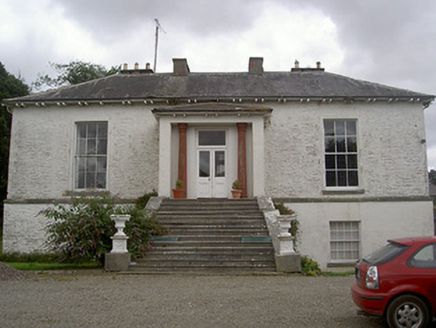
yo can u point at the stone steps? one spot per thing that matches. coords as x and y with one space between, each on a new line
210 236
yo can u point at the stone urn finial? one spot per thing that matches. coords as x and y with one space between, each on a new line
119 240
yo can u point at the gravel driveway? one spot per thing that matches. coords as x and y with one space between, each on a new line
110 300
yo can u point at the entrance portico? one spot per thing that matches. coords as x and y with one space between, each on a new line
210 145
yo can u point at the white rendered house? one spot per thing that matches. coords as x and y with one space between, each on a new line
348 156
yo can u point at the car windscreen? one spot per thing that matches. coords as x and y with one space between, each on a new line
385 254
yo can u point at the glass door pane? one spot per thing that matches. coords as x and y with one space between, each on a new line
220 163
204 166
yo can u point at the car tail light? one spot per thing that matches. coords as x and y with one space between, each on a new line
372 278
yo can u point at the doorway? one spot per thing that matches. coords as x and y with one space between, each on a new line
211 164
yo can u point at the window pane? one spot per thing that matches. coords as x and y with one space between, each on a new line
352 144
81 181
102 131
212 138
352 161
329 128
89 180
81 147
81 131
353 180
342 178
330 145
92 146
91 164
92 130
351 128
101 146
81 164
330 161
101 164
340 128
342 164
101 180
204 164
331 178
340 145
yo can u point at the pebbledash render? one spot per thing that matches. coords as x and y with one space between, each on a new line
348 156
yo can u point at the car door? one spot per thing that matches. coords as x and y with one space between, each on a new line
423 264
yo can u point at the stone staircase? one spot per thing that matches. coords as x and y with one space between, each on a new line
210 236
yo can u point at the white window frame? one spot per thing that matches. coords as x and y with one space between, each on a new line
344 153
342 235
78 156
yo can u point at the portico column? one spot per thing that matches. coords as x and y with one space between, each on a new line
182 156
242 157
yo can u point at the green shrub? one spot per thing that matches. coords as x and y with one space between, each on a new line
309 267
142 201
139 229
82 231
283 209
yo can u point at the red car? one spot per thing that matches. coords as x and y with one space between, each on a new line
399 282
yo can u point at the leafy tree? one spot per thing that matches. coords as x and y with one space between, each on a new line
432 177
10 87
72 73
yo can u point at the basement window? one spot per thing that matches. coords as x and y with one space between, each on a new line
344 241
91 155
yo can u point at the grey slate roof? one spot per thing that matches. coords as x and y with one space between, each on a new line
209 86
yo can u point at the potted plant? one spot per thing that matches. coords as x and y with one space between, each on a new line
178 192
236 189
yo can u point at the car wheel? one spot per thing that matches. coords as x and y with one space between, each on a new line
407 311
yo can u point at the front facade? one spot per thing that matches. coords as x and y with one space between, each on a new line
349 157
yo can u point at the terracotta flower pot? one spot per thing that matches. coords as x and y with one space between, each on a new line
178 193
236 193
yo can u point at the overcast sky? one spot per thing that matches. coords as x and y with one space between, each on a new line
391 42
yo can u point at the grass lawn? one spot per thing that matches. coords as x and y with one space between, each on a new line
35 266
40 262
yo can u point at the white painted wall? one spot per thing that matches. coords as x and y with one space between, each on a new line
391 145
379 221
42 150
23 229
285 158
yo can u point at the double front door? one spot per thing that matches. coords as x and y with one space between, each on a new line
211 159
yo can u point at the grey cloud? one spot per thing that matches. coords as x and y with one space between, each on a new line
111 19
396 38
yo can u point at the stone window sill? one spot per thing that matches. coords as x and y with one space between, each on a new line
343 191
79 193
345 264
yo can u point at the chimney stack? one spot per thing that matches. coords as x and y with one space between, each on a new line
255 65
297 64
181 67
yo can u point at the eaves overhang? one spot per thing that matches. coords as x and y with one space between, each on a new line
213 109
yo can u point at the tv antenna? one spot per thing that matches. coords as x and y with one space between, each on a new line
158 27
